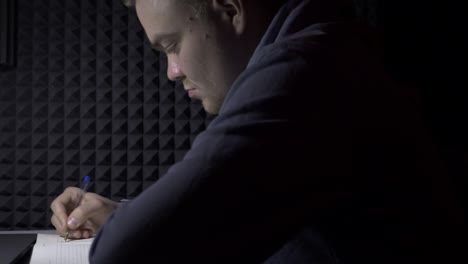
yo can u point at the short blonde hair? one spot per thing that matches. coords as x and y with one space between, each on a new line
198 6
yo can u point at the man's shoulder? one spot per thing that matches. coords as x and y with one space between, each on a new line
311 55
278 73
305 42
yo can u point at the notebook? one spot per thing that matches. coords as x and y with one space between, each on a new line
52 249
16 248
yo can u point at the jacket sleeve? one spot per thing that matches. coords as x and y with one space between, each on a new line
241 190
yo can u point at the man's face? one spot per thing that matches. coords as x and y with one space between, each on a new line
201 48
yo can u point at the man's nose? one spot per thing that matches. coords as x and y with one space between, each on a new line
174 71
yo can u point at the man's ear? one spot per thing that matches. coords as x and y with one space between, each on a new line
232 12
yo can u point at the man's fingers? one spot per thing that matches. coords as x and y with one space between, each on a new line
61 207
62 204
86 234
81 233
60 215
83 213
59 225
83 220
75 234
78 216
77 222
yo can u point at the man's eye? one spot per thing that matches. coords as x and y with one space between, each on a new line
171 48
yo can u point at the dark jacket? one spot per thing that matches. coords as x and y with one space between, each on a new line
311 136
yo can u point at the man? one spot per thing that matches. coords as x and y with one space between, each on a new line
314 156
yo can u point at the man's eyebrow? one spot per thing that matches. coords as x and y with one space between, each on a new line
157 47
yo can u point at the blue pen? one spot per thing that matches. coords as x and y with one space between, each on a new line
83 188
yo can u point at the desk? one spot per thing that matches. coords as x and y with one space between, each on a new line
26 258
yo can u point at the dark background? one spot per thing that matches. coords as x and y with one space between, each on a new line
85 95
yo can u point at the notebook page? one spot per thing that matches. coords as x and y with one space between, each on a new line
52 249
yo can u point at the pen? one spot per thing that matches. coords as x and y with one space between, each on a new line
83 188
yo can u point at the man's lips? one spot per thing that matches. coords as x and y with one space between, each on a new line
191 91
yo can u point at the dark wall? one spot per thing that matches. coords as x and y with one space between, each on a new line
7 33
87 97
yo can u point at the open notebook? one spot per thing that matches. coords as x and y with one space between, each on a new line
52 249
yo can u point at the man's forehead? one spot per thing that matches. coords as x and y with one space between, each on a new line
160 18
160 5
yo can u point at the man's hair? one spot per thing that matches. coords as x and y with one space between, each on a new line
197 5
130 3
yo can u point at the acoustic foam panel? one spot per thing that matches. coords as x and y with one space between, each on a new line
88 97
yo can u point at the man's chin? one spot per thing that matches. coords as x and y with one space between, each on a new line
210 108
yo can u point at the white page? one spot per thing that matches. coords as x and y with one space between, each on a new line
52 249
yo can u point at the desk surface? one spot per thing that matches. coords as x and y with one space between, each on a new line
27 257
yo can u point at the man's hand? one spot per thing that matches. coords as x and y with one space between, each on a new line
84 220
